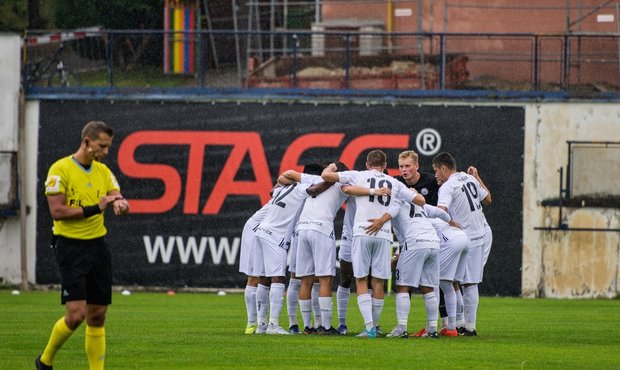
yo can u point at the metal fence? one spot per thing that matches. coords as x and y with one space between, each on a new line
580 63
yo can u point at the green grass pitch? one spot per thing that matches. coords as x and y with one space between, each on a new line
204 331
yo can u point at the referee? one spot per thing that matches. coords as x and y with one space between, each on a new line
79 188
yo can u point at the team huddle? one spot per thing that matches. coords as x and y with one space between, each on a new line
444 242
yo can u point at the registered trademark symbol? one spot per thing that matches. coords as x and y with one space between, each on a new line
428 141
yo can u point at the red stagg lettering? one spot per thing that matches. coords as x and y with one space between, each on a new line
242 143
290 160
225 185
375 141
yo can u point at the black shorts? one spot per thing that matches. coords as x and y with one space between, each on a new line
85 270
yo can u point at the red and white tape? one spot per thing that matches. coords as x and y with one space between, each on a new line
62 36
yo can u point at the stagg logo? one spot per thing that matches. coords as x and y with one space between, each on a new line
246 147
428 142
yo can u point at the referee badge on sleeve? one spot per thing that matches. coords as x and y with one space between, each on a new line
52 184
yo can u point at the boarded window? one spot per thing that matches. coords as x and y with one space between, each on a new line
594 170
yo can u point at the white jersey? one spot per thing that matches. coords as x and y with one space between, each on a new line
319 212
279 222
461 194
372 206
347 222
413 227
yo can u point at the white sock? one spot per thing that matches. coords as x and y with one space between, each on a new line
250 304
403 307
377 307
276 295
449 296
326 311
292 300
316 307
342 302
460 320
262 304
470 306
431 303
364 302
305 305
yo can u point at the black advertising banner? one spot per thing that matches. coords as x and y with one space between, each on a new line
195 172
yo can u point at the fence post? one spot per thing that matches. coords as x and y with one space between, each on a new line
201 59
566 63
110 58
347 59
442 63
294 60
536 62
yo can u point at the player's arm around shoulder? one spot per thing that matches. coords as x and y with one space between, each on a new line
410 195
330 174
288 177
473 171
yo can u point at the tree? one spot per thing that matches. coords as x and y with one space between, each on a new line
13 16
118 15
111 14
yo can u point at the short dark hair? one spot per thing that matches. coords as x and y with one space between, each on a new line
341 167
444 159
313 168
93 128
376 158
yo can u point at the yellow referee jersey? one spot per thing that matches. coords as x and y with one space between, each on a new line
81 188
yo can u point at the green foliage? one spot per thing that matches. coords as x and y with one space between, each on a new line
111 14
201 331
13 15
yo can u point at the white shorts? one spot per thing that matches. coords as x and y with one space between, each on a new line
316 254
246 252
344 253
473 261
418 267
292 254
269 259
488 240
368 253
452 255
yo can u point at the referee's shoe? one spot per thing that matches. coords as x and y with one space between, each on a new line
40 365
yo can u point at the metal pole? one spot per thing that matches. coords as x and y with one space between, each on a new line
442 65
237 48
201 47
22 189
567 191
248 46
258 28
536 61
285 23
211 39
566 66
618 38
347 59
421 45
317 11
294 60
272 26
110 56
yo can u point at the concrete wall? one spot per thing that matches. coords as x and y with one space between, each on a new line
566 263
10 271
